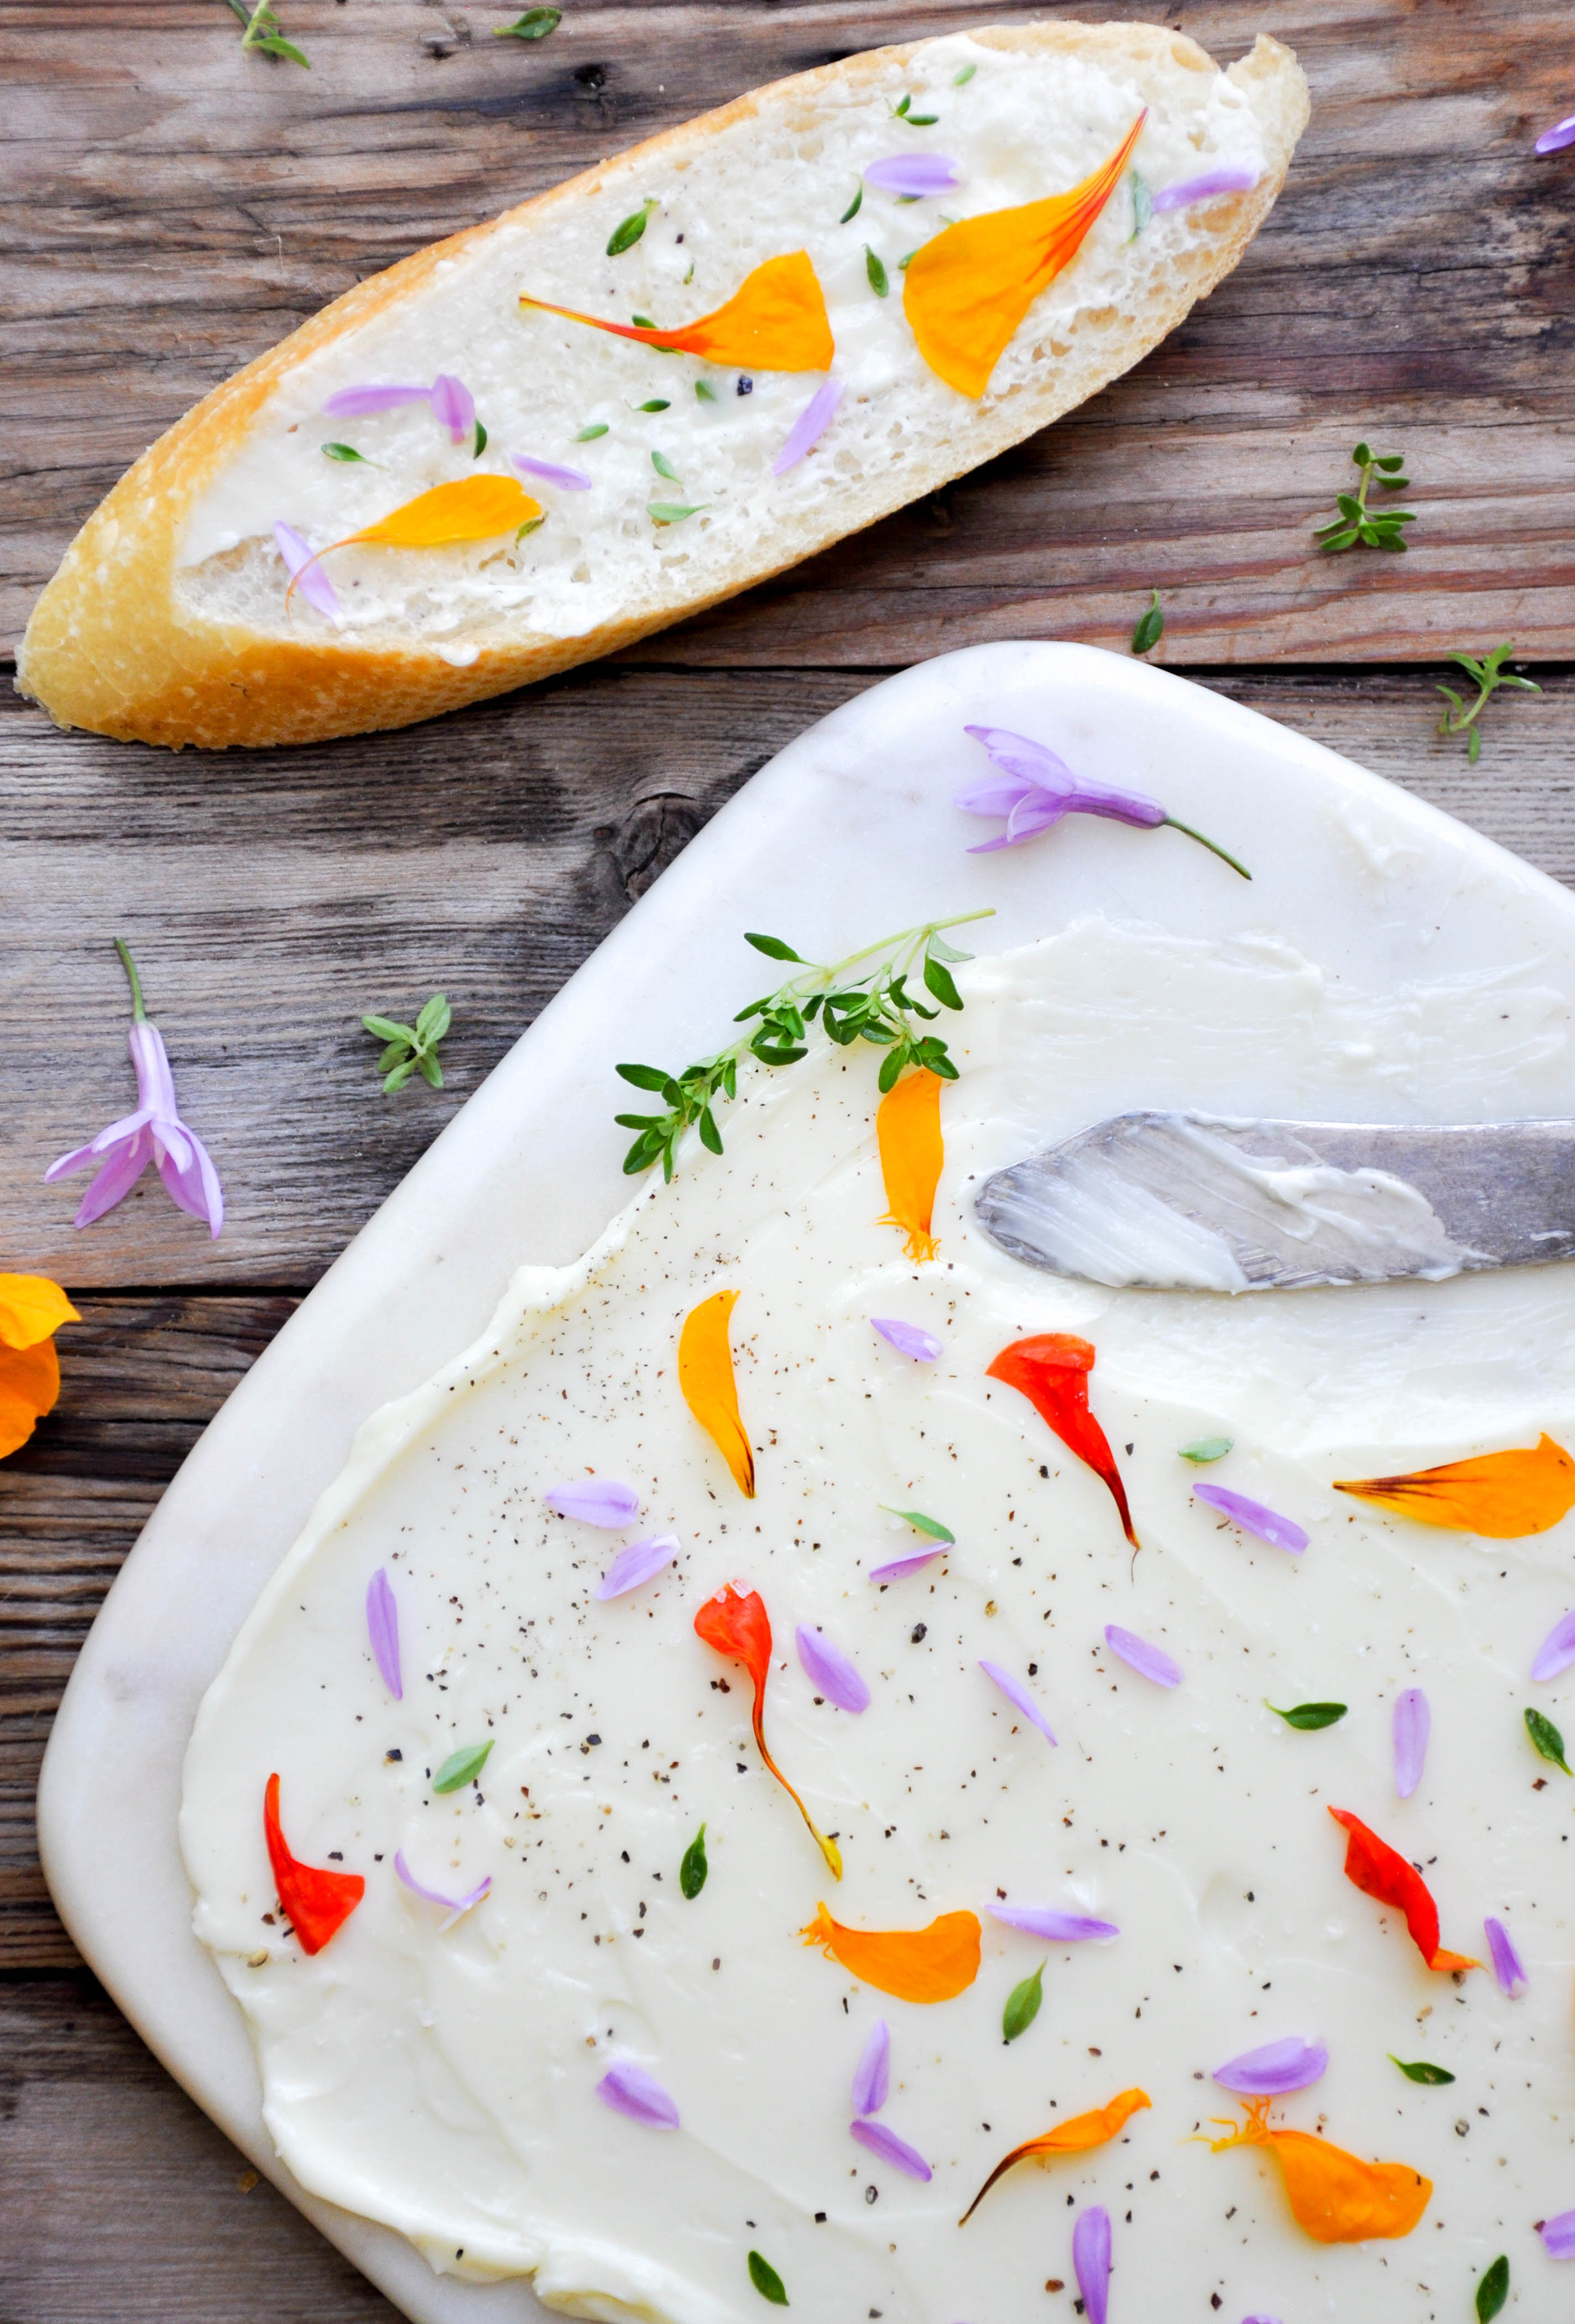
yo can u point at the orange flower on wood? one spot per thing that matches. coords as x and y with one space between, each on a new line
1500 1495
736 1623
32 1309
933 1964
1073 2137
1380 1871
775 321
1051 1368
908 1127
317 1903
1335 2198
710 1386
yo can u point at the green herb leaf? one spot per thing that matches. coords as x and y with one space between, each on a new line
1419 2071
1310 1716
1142 203
664 467
899 110
649 1077
1493 2289
657 403
534 25
346 452
386 1029
938 980
1023 2004
920 1523
462 1768
673 511
961 79
1206 1448
411 1047
624 236
588 435
854 207
1356 521
1547 1740
876 271
906 260
705 390
1150 626
765 2280
647 323
532 524
481 441
921 120
692 1871
1489 675
772 946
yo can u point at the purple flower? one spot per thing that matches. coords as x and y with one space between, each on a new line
631 2090
637 1563
900 1568
306 573
809 426
1275 2069
914 174
361 402
598 1501
568 480
382 1623
1280 1533
1090 2260
1260 2320
1557 1651
872 2074
1040 788
1201 189
453 406
829 1669
1413 1723
1016 1692
1558 2236
154 1132
1057 1928
911 1340
891 2149
1507 1966
1147 1661
454 1906
1555 140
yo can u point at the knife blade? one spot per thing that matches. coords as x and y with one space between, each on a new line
1197 1201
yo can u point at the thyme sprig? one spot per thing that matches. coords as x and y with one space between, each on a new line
411 1048
874 1005
262 32
1374 528
1490 674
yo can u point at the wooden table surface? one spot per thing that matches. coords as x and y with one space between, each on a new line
168 208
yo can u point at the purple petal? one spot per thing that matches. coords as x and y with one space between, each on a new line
1507 1964
637 1563
598 1501
1035 812
1122 806
1015 1692
1555 140
914 174
1555 1654
568 480
1280 1533
829 1669
901 1567
115 1180
909 1339
453 406
192 1182
359 403
891 2149
1558 2236
151 1059
78 1159
1055 1928
453 1906
1200 189
1090 2260
314 584
1018 754
1260 2320
809 426
1147 1661
872 2074
382 1623
995 798
631 2090
1275 2069
1413 1723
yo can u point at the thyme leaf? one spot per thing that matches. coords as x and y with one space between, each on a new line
854 207
1419 2071
1150 626
1310 1716
1489 675
767 2282
1023 2004
664 467
588 435
1547 1740
1493 2289
692 1869
625 235
346 452
673 511
966 75
1374 528
462 1767
263 31
876 273
534 25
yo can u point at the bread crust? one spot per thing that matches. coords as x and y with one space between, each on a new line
109 647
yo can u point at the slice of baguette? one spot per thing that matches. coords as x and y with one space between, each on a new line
168 621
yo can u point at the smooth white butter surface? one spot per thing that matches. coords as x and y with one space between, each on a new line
446 2082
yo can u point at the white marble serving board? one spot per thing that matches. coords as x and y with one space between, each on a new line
847 834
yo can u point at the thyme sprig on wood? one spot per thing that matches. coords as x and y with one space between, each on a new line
873 1004
1490 674
1374 528
262 32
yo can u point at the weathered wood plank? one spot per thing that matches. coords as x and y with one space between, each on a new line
169 207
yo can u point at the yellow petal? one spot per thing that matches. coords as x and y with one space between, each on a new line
775 321
30 1383
908 1127
706 1375
32 1307
477 508
932 1964
965 293
1500 1495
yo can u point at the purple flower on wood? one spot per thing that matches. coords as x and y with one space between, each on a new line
382 1623
154 1133
830 1671
1280 1533
637 1563
809 426
594 1500
1557 1651
1413 1724
1275 2069
568 480
872 2074
631 2090
914 174
1016 1692
453 406
910 1339
1507 1966
454 1906
1136 1653
1558 2236
1040 788
362 402
1555 140
900 1568
309 576
1202 189
1057 1928
1090 2260
891 2149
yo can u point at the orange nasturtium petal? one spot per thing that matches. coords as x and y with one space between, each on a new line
477 508
710 1386
907 1126
1335 2198
1051 1368
317 1901
933 1964
1074 2137
32 1309
775 321
1381 1872
30 1383
965 292
1501 1495
737 1624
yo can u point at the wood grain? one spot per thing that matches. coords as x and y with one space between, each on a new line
171 208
